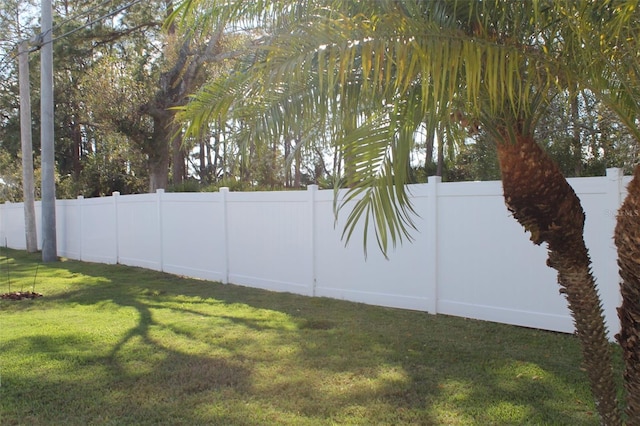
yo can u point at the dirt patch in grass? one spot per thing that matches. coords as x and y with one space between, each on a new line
316 324
20 295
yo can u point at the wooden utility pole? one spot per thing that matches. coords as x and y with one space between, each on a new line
28 189
49 242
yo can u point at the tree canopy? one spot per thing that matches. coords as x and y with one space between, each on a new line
118 69
373 75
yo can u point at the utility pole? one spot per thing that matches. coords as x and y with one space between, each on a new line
28 191
49 242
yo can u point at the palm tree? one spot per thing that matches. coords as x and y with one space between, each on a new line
542 201
370 72
613 32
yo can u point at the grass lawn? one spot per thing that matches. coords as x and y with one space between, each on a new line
114 345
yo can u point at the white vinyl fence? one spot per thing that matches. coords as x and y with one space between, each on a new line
469 257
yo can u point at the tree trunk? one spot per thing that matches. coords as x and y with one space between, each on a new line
430 138
76 137
287 165
543 202
202 161
158 172
627 239
158 153
178 158
174 85
297 174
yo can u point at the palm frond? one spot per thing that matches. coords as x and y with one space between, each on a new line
376 169
370 73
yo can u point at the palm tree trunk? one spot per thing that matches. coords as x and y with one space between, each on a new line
627 239
543 202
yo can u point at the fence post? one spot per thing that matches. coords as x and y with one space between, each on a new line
312 190
159 199
116 196
80 233
614 190
224 192
3 224
432 244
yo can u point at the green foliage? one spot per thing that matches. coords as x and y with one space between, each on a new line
11 183
11 178
190 185
233 184
121 345
476 161
114 165
315 84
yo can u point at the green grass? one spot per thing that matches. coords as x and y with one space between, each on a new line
119 345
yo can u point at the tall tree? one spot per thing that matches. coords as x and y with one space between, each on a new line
17 22
187 53
90 35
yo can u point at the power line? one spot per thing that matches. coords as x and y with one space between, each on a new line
9 57
6 61
95 21
80 14
39 39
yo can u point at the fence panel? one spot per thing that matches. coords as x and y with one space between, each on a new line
343 272
139 230
193 238
487 268
69 228
98 230
13 234
268 237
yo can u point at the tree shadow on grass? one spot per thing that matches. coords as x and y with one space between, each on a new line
291 360
117 394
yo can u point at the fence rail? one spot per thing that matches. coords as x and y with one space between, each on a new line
469 257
